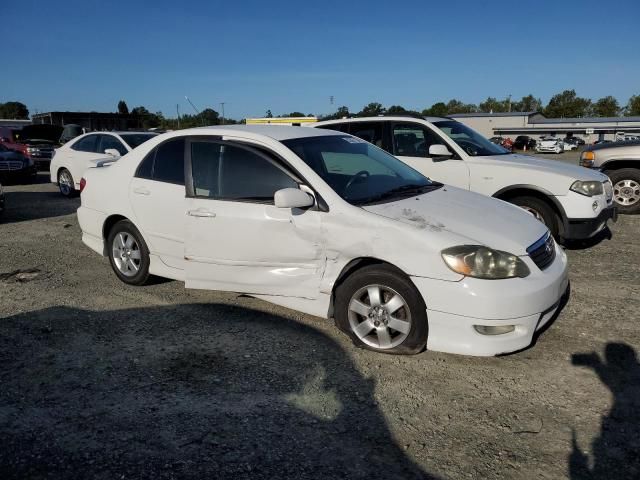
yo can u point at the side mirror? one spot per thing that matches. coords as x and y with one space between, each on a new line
439 152
292 198
113 152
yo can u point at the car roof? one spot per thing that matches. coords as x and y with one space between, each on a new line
380 118
276 132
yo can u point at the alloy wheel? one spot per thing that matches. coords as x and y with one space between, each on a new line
379 316
126 255
626 192
65 183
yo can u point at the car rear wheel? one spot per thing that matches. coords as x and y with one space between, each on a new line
381 310
541 211
626 189
66 184
128 253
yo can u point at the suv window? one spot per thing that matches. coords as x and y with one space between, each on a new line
371 132
165 163
86 144
109 141
228 172
410 140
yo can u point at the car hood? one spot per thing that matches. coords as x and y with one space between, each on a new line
40 134
555 167
481 220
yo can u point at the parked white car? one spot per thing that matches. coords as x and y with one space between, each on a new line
572 203
72 159
327 224
550 145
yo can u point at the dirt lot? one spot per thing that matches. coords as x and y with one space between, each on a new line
102 380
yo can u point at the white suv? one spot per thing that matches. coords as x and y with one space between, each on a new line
573 203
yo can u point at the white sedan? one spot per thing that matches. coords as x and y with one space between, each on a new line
330 225
73 158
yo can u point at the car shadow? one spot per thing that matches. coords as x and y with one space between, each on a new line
601 236
615 453
22 206
186 391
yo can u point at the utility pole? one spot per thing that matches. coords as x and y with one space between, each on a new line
222 105
509 97
331 98
178 112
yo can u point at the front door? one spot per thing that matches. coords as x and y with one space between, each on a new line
411 144
236 239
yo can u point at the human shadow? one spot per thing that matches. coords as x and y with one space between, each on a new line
616 452
23 206
186 391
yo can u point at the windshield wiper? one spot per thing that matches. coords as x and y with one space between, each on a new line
403 191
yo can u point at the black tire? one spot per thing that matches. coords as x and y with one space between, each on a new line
630 175
128 230
547 214
386 277
66 190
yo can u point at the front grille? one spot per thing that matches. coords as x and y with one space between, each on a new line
11 165
543 252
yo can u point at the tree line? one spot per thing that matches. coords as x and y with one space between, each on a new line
566 104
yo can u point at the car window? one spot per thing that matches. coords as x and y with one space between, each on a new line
109 141
136 139
474 144
86 144
347 163
227 172
410 140
168 165
371 132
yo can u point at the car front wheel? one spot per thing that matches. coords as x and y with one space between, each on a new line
65 183
626 189
541 212
381 310
128 253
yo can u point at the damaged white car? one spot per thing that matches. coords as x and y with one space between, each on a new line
330 225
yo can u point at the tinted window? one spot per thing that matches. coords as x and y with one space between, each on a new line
145 169
109 141
369 131
411 140
168 165
86 144
136 139
232 173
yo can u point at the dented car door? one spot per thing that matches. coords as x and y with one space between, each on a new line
237 239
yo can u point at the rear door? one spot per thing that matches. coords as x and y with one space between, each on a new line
157 194
236 238
81 156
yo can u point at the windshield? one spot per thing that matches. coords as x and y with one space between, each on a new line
474 144
136 139
358 171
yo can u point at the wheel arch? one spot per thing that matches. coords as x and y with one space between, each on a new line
618 164
513 191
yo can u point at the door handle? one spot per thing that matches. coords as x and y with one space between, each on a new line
201 213
141 191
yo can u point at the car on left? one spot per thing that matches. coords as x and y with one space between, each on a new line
15 165
72 159
1 200
37 142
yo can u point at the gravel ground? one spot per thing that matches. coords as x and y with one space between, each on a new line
102 380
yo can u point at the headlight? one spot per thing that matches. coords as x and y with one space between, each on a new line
587 159
483 262
589 188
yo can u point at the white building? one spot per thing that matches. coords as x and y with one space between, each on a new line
512 124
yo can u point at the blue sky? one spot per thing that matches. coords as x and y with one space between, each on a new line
293 55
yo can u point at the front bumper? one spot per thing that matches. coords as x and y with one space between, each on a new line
527 304
583 228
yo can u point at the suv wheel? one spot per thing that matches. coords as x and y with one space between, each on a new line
626 189
381 310
66 184
541 211
128 253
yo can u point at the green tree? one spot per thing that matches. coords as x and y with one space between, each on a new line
342 112
122 108
14 111
456 106
633 106
567 104
492 104
527 104
269 114
372 110
209 116
606 107
292 114
436 110
396 110
146 119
